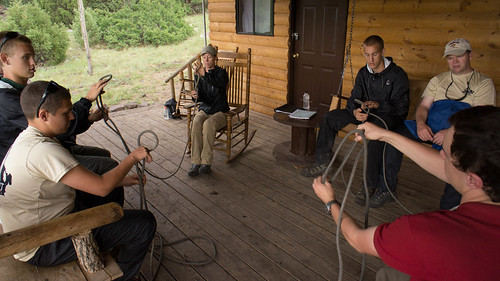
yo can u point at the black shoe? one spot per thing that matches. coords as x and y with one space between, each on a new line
205 169
194 171
380 198
314 170
361 196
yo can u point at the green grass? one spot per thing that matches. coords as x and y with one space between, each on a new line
138 73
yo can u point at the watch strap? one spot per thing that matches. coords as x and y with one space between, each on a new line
329 204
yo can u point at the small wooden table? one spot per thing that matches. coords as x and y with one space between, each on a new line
303 133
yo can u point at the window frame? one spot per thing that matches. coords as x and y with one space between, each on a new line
253 32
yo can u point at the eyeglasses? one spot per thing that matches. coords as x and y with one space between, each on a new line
52 87
466 92
9 35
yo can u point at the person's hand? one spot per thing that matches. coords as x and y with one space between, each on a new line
360 115
424 132
141 153
96 89
371 104
132 180
199 69
439 137
371 131
194 94
97 114
324 191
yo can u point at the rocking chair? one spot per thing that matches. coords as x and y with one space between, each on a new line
235 136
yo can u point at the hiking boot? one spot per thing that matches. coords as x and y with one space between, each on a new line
205 169
314 170
380 198
361 196
194 171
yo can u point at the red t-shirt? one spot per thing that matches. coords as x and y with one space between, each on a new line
444 245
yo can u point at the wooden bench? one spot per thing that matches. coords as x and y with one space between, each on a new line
46 232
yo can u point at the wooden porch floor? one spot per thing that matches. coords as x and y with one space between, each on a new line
262 215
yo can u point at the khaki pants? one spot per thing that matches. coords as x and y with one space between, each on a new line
203 136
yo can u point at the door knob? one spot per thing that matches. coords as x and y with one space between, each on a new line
296 55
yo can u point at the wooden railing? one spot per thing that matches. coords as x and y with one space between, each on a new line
178 76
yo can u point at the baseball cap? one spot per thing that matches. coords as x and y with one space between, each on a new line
209 50
457 47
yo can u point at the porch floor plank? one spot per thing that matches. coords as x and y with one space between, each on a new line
262 215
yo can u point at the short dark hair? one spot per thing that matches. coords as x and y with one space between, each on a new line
32 94
476 145
8 47
374 40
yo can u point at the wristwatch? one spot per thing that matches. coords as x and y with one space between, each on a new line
328 206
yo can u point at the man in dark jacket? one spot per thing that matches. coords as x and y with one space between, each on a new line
17 59
211 93
383 88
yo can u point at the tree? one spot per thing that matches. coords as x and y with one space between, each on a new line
60 11
146 22
50 40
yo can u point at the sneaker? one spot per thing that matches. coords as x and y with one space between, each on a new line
360 196
205 169
380 198
194 171
314 170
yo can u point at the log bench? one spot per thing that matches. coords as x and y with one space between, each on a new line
46 232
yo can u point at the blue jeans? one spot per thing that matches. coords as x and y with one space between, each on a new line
393 160
132 235
335 120
99 161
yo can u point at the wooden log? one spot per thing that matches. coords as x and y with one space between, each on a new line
279 53
379 6
270 72
270 62
262 109
282 19
270 83
46 232
230 27
282 7
222 17
266 101
433 37
268 92
87 251
476 20
222 7
271 41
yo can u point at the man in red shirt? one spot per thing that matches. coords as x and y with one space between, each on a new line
443 245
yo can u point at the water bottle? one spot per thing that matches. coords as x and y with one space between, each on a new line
166 113
305 101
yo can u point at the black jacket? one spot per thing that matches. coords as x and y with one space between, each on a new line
389 87
212 91
13 121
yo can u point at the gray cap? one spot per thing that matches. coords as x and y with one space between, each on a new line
457 47
209 50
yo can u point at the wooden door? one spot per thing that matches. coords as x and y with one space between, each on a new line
317 56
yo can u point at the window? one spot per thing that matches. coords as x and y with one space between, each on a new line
255 17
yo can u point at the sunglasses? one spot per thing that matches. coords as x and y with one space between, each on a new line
52 87
9 35
467 91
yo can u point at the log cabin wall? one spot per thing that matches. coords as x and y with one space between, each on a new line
269 79
414 31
